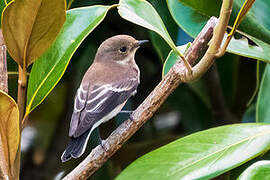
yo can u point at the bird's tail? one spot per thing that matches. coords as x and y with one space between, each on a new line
76 147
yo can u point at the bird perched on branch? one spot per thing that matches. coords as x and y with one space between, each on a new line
106 86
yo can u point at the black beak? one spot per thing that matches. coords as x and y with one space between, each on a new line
141 42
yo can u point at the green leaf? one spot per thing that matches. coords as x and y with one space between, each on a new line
30 27
142 13
202 155
263 103
191 17
258 170
241 47
50 67
256 22
9 135
160 45
172 58
241 14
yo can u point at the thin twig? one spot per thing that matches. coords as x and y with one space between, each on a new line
145 111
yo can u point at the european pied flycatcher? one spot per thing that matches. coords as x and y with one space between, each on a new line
106 86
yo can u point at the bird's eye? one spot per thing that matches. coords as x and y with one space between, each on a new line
123 49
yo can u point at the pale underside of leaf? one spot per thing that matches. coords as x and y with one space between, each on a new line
30 26
9 131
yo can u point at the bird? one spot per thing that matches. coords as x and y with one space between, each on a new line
109 82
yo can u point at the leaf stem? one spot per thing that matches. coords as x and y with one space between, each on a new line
21 98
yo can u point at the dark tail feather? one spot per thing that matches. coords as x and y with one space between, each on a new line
76 147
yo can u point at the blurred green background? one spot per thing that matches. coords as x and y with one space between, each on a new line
220 97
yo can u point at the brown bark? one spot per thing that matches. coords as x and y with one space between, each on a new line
3 65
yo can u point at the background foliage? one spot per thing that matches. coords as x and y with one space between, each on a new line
218 98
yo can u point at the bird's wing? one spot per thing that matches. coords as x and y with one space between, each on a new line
90 107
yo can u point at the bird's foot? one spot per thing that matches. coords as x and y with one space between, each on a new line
101 141
129 114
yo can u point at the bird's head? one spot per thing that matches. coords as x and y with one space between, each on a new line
120 48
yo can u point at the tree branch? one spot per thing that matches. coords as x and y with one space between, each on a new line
145 111
3 65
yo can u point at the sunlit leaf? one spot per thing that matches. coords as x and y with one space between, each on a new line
242 47
143 13
258 170
172 58
30 26
50 67
192 15
202 155
263 103
9 133
161 46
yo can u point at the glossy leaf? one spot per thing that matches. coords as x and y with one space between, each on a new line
162 48
255 23
143 13
263 103
9 133
191 17
242 47
30 26
202 155
50 67
258 170
172 58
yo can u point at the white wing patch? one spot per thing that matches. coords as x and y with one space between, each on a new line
99 104
80 99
